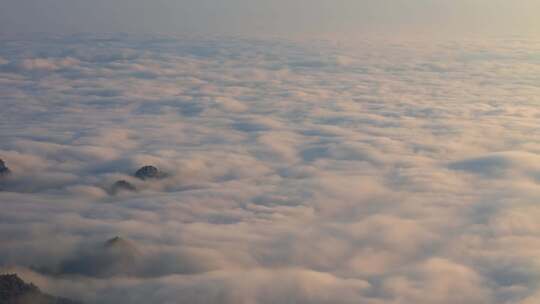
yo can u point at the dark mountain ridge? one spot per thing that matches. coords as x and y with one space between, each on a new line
13 290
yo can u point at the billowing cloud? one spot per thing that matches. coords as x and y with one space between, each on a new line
293 172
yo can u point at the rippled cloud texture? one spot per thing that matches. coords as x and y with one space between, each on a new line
297 172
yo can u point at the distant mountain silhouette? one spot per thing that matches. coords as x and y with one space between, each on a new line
116 256
13 290
120 244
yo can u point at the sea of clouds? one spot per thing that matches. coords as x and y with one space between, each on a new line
298 172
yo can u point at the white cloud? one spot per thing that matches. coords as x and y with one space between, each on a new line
296 172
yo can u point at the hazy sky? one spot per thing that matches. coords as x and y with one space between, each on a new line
275 17
295 170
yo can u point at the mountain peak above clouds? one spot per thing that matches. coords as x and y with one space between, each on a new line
122 186
13 290
4 170
149 172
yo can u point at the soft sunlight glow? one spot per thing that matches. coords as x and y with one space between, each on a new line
293 18
268 152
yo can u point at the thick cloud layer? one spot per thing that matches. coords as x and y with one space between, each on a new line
294 172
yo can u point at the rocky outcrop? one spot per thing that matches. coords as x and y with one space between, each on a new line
144 173
122 186
149 172
4 170
13 290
